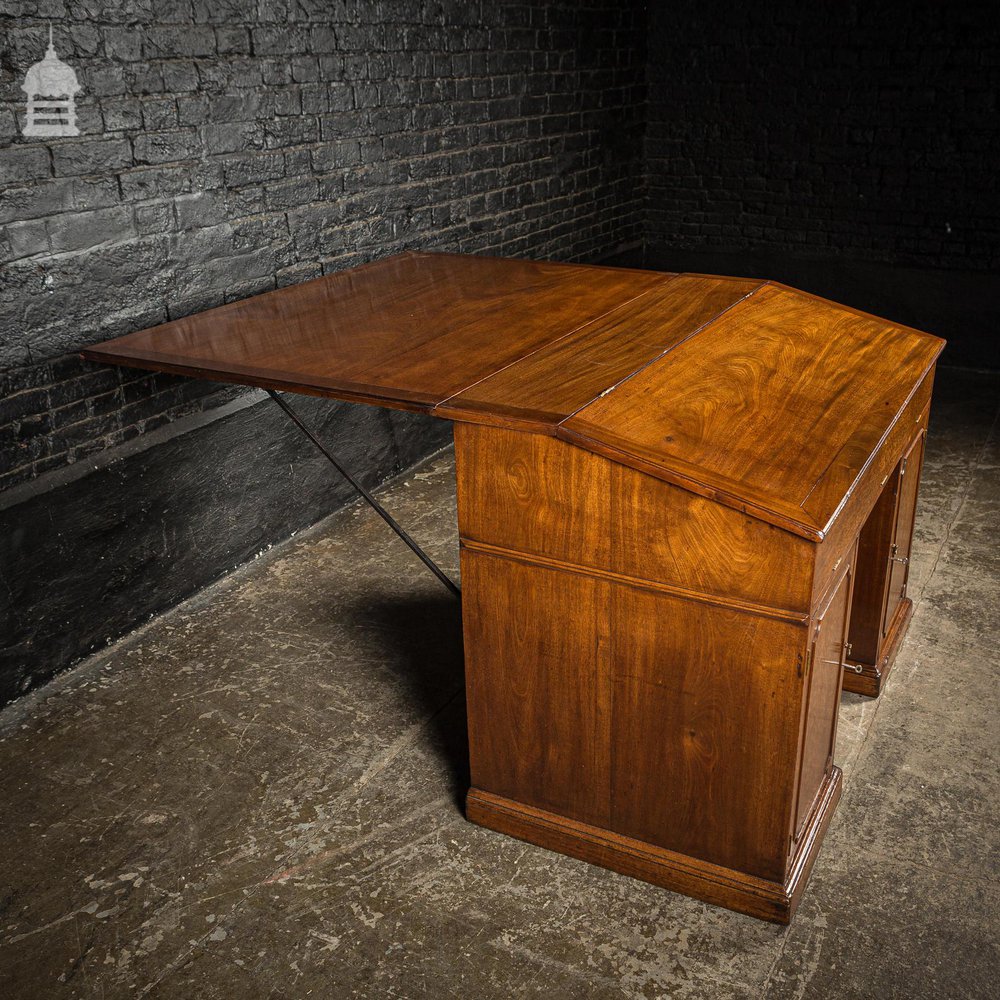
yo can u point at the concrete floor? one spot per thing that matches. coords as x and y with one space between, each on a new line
258 795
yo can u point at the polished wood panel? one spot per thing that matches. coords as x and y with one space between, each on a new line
407 331
902 538
708 742
695 687
825 668
544 388
538 685
884 549
872 587
764 410
736 890
534 494
857 505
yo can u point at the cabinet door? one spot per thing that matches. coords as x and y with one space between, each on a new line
822 697
902 539
871 575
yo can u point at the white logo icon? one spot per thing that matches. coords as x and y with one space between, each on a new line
51 87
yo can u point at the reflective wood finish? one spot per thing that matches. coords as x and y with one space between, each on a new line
884 549
678 498
629 672
776 407
409 331
555 382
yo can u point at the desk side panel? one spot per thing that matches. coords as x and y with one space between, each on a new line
705 730
534 494
538 685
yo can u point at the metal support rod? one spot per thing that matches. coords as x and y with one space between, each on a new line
375 505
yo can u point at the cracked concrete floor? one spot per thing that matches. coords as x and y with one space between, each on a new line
258 795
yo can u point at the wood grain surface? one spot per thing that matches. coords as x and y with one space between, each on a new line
409 330
777 408
532 494
538 685
550 385
763 398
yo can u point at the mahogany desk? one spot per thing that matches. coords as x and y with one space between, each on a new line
670 488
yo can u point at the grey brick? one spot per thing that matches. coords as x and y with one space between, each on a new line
83 230
122 44
232 137
155 218
305 69
343 125
288 101
179 75
159 113
290 193
252 169
236 108
23 404
91 156
282 40
24 163
204 208
121 113
332 155
10 128
26 238
192 109
232 40
48 197
174 42
107 80
291 131
156 182
93 192
143 78
165 147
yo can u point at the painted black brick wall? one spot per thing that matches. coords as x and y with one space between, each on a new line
860 129
227 148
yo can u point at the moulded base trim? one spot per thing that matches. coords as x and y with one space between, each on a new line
715 884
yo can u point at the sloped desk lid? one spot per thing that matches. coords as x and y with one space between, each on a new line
776 407
767 399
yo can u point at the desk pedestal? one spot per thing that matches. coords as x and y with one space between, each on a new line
652 686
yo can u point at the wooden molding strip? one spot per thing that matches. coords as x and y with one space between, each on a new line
774 901
732 604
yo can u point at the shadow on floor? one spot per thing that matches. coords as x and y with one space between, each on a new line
421 640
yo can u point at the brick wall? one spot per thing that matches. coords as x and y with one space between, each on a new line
869 130
227 148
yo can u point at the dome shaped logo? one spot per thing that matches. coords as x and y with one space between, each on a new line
51 88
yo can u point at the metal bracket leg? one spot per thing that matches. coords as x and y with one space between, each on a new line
373 503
